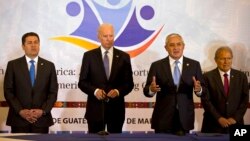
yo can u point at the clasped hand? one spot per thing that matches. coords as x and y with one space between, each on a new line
226 122
31 115
102 95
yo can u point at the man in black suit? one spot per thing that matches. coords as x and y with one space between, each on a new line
30 96
106 77
226 100
174 86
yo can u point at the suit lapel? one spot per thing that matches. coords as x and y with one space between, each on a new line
218 81
40 70
232 84
99 62
167 71
116 57
185 68
187 71
25 70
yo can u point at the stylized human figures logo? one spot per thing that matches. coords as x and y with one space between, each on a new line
130 35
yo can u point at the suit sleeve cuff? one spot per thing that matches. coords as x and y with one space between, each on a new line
199 93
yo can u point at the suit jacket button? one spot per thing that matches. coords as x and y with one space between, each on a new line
44 113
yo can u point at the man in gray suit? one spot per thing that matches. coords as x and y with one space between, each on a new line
226 100
173 80
30 89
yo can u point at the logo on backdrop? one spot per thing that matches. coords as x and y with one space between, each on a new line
130 35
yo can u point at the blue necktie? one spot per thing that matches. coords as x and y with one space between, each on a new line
32 72
106 63
177 73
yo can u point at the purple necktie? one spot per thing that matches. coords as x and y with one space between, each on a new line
106 63
226 84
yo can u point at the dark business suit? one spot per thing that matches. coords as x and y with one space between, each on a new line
20 94
216 104
93 76
169 97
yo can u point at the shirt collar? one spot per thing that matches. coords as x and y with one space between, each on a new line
172 61
222 72
110 50
28 59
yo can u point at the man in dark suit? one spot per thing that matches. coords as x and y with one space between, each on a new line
106 77
226 100
174 86
30 96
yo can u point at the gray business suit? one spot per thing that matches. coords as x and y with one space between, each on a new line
20 94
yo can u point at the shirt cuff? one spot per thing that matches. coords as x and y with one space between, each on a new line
96 91
199 93
151 93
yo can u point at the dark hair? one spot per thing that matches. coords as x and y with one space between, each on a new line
29 34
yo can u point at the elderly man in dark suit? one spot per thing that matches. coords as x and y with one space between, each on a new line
174 79
226 100
106 77
30 89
